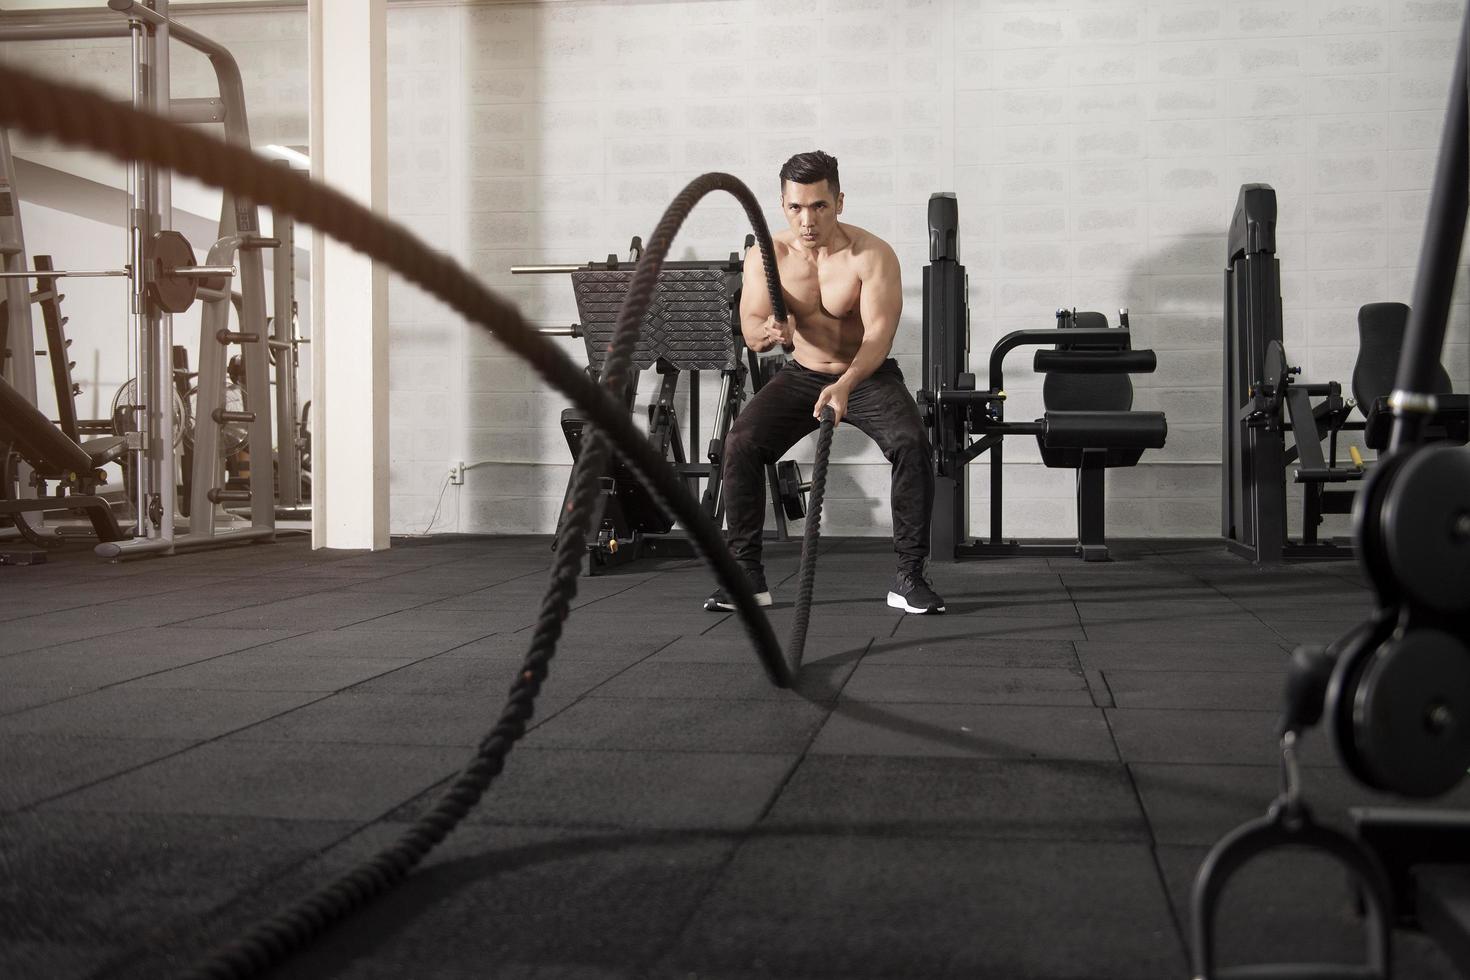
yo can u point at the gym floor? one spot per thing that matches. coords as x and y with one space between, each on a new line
1022 788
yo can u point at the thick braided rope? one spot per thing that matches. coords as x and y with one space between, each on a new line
81 117
630 320
796 647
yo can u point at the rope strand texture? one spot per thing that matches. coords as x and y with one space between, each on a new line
807 578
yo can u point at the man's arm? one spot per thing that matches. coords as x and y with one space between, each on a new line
755 306
880 306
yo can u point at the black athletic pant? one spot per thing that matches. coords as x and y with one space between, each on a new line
781 413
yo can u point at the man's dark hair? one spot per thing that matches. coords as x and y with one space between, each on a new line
808 168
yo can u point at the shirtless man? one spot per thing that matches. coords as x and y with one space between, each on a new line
843 297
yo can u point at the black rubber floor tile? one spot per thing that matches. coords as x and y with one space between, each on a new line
38 767
937 797
390 644
132 712
949 684
1233 737
1294 907
992 731
271 672
632 789
500 620
959 648
380 718
877 622
874 907
1009 627
14 699
1196 804
530 596
288 780
670 679
612 646
1244 630
319 611
489 677
777 726
444 581
99 883
1161 610
1147 654
727 647
525 903
1055 610
36 633
96 663
1261 691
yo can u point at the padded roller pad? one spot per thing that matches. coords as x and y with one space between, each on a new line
1104 430
1095 361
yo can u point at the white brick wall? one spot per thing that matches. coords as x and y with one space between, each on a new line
1096 147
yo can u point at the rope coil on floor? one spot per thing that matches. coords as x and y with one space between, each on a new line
84 118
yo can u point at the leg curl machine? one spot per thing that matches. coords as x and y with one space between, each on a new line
1088 425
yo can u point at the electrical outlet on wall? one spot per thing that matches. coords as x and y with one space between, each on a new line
456 473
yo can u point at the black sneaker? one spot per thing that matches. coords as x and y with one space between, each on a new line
720 602
912 593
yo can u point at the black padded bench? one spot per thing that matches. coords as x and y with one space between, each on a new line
33 437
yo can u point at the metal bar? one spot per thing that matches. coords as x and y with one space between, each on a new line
64 32
1412 399
68 273
575 330
283 342
538 270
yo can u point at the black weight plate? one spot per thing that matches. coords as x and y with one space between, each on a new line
1426 527
1412 713
1354 654
168 250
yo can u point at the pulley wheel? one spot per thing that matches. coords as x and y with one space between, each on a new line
1426 528
167 251
1411 713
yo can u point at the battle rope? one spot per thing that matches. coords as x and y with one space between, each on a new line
80 117
797 646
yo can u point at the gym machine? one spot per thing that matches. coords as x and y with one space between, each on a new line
1264 400
692 325
1088 425
163 283
1394 691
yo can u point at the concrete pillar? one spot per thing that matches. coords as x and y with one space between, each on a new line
349 293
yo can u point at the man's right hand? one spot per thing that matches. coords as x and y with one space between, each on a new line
774 333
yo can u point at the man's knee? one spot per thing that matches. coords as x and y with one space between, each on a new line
740 446
908 442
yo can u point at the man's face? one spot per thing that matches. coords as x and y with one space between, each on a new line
811 210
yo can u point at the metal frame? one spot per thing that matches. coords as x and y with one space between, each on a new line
150 30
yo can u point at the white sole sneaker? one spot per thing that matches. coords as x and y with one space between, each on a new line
714 605
899 602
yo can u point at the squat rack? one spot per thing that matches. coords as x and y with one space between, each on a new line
150 29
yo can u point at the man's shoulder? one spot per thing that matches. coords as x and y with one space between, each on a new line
867 248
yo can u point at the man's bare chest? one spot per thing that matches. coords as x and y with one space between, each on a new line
828 289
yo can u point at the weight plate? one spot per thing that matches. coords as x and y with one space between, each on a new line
1353 657
169 250
1412 713
1426 527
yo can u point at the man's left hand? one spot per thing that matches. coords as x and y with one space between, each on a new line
836 396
